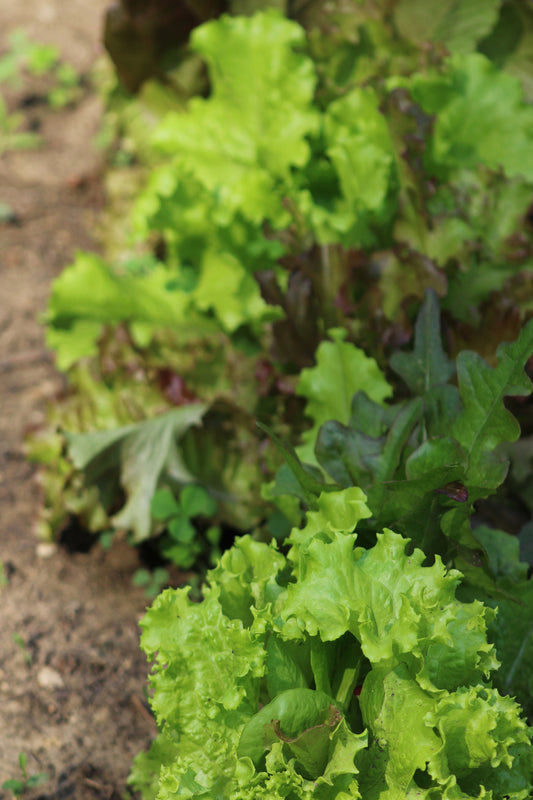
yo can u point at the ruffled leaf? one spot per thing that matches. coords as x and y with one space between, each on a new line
261 94
341 370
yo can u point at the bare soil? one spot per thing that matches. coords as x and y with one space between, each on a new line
72 677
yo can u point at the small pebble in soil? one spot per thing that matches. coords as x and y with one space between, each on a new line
49 678
46 549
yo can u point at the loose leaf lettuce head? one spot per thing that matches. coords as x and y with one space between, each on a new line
426 461
333 672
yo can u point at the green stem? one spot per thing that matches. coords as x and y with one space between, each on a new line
348 683
330 280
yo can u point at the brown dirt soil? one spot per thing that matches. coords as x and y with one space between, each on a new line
72 677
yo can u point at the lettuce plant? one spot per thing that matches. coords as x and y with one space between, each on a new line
388 183
425 459
385 186
182 544
331 672
428 464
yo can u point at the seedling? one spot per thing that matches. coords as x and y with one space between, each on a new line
23 54
181 542
11 137
106 539
152 582
68 86
25 57
21 644
19 786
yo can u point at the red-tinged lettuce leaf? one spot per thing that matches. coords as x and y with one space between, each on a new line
484 422
141 454
296 337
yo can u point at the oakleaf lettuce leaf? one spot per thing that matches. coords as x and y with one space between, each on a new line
425 461
333 672
484 422
427 366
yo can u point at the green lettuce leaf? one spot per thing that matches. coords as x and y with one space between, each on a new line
512 629
360 159
258 685
206 712
401 591
89 294
341 370
459 26
519 23
512 633
484 422
442 445
427 365
387 701
481 731
127 451
261 94
471 92
230 291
